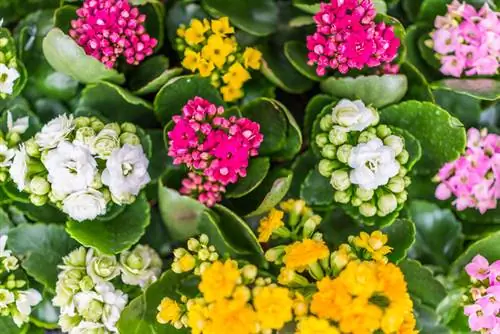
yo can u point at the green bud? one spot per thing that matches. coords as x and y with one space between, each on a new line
402 197
203 254
179 252
11 285
20 283
3 42
274 254
366 136
383 131
106 142
328 151
322 139
342 197
396 184
113 126
326 167
213 257
10 263
128 127
316 271
204 239
395 142
317 236
106 194
55 196
193 245
129 138
39 186
386 204
81 122
94 310
32 148
86 284
403 157
344 152
340 180
356 201
326 123
367 209
338 135
310 226
402 171
97 125
13 138
364 194
38 200
103 267
407 180
3 177
85 135
249 272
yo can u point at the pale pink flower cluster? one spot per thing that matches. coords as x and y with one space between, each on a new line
474 178
484 314
467 41
216 149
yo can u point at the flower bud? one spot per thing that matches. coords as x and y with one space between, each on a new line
128 127
93 311
338 135
402 171
113 126
386 204
407 181
356 201
395 142
97 125
204 239
105 143
38 200
97 181
129 138
322 139
396 184
402 197
142 265
326 167
39 186
274 254
326 123
3 177
318 236
106 194
81 122
10 263
249 272
86 284
342 197
403 157
193 245
310 226
364 194
76 258
367 209
328 151
366 136
85 135
103 268
340 180
213 257
344 152
13 138
203 254
383 131
32 148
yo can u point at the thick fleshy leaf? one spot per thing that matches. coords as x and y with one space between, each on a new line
464 107
256 172
432 8
116 234
483 89
422 284
313 109
489 247
308 6
301 167
413 51
41 247
428 321
45 315
257 17
43 214
258 87
10 189
5 222
401 235
182 13
316 189
151 75
63 17
445 143
418 87
178 91
296 53
411 9
475 217
116 104
412 145
20 110
9 327
64 55
439 234
155 20
427 53
379 91
293 136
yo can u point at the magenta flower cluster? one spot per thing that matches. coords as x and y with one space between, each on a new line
347 37
467 41
107 29
484 313
474 178
216 149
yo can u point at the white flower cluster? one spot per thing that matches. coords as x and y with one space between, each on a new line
8 67
9 141
364 161
80 164
15 301
87 289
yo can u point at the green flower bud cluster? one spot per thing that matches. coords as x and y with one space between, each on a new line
9 141
365 163
198 255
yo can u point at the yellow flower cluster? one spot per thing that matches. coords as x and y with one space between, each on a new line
374 244
210 49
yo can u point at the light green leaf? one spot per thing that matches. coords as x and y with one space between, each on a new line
422 284
8 326
256 172
430 9
151 75
489 247
308 6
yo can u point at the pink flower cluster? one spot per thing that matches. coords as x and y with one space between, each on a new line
347 37
484 314
474 178
216 149
107 29
467 41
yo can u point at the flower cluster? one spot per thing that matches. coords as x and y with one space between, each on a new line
214 148
467 41
9 73
474 178
88 289
81 164
9 141
347 37
484 312
109 29
363 160
15 300
210 48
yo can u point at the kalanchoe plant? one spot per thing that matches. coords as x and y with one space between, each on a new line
82 165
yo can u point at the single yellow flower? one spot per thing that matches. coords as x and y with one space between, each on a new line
206 68
195 34
269 224
236 75
216 50
252 58
360 278
181 31
231 94
219 280
313 325
231 317
273 306
169 311
360 317
303 253
374 244
187 262
342 256
222 26
197 316
296 206
191 60
331 299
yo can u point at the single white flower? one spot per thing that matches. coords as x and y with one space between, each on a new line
102 267
88 327
8 77
19 126
67 322
10 263
126 172
373 164
19 168
3 244
27 299
85 205
354 115
55 131
6 298
114 303
141 266
6 155
71 168
105 142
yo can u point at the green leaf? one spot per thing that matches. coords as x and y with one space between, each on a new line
159 161
316 129
300 168
463 107
182 13
428 321
257 17
308 6
412 145
432 8
483 89
139 316
63 17
418 87
296 53
256 172
379 91
427 53
19 110
258 87
5 222
117 234
155 20
41 247
151 75
293 135
10 47
422 284
489 247
451 305
380 6
444 143
64 55
178 91
42 214
8 326
401 237
10 189
313 109
316 189
117 104
473 216
45 315
180 213
413 35
411 9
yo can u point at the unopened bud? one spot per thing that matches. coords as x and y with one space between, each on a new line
85 135
367 209
274 254
344 152
386 204
249 272
328 151
179 252
383 131
310 226
364 194
129 138
204 239
402 171
326 123
396 184
32 148
402 197
204 254
342 197
97 125
326 167
38 200
403 157
356 201
39 186
321 139
394 142
81 122
13 138
366 136
193 245
128 127
113 126
340 180
338 135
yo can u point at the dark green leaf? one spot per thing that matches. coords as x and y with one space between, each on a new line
296 53
418 87
256 172
489 247
45 315
159 160
5 222
473 216
412 145
43 214
155 20
151 75
182 13
293 135
401 236
316 189
63 17
483 89
300 168
464 107
427 53
313 109
422 284
432 8
412 43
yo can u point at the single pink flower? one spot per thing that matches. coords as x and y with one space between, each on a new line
478 320
494 276
452 65
445 40
485 66
478 268
443 192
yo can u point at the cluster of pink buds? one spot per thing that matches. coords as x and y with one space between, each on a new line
216 149
347 37
474 178
107 29
467 41
484 313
